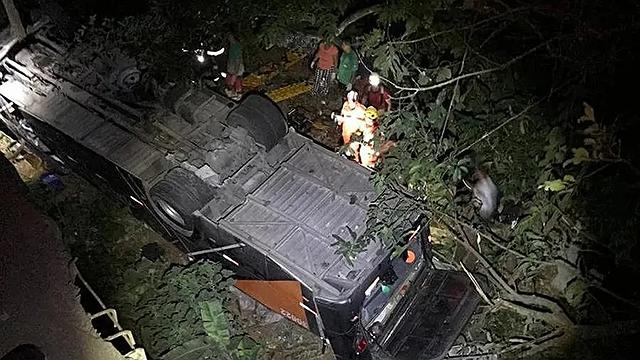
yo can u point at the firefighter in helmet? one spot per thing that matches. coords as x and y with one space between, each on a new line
368 154
352 121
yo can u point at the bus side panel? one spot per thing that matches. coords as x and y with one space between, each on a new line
260 277
99 171
342 321
274 271
339 328
82 160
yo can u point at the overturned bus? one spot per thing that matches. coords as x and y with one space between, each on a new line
232 182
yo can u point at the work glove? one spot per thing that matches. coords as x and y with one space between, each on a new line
338 119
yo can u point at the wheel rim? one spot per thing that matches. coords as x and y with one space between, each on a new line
171 212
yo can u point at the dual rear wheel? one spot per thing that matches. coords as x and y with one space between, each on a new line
176 197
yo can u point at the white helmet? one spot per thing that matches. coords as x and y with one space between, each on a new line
374 79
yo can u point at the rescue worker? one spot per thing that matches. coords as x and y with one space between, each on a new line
326 59
376 95
368 154
352 121
235 68
348 66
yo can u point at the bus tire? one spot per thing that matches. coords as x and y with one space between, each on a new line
176 197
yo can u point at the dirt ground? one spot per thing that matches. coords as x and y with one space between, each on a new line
29 166
38 299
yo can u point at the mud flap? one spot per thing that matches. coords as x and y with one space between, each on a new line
282 296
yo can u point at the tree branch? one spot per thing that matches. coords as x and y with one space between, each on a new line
498 244
458 78
357 16
532 304
476 284
503 124
453 97
554 335
17 29
475 73
443 32
404 96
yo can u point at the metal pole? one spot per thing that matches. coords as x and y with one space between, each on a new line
218 249
86 284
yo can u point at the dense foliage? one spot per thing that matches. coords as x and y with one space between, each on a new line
183 316
506 86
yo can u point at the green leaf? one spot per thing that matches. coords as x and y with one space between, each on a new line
247 349
398 250
580 155
215 322
443 74
554 186
372 40
456 174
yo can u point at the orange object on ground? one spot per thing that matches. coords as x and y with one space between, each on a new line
282 296
289 91
411 257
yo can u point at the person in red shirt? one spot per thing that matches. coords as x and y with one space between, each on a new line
376 95
326 59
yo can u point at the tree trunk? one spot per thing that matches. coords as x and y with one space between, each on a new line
17 29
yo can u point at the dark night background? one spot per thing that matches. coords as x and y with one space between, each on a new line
589 54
